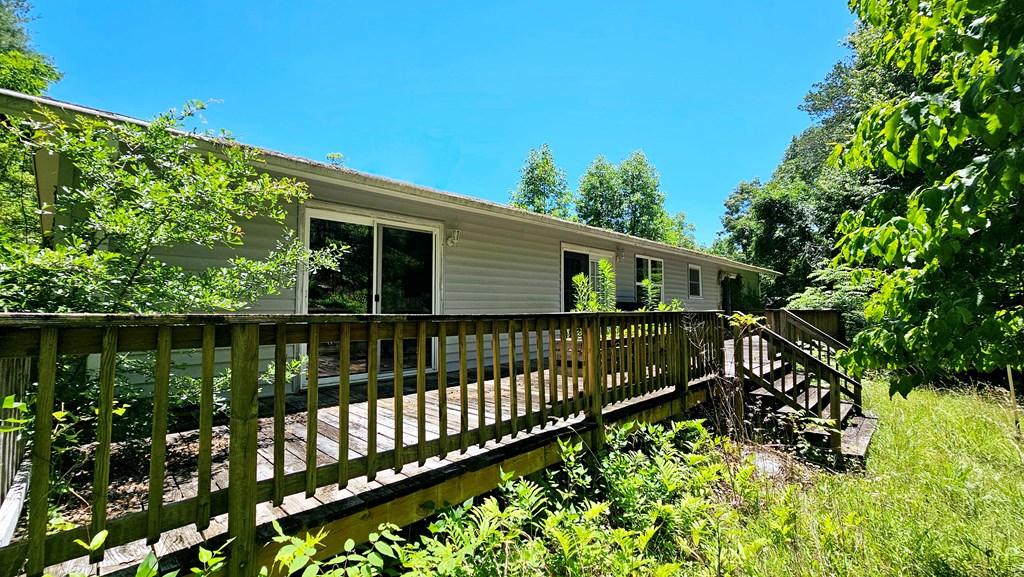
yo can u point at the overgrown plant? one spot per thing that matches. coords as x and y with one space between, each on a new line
597 294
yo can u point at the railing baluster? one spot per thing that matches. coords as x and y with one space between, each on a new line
158 438
344 395
552 370
496 379
421 392
312 406
513 395
105 419
39 482
206 426
541 384
563 332
481 401
280 358
463 390
527 374
613 357
577 360
603 353
399 400
372 360
442 387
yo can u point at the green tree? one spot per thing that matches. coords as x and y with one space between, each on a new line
542 186
645 202
142 191
948 258
21 67
626 198
789 223
675 230
601 198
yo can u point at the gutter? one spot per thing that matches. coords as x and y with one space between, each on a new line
17 102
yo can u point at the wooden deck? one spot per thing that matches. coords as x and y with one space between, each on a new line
564 413
332 451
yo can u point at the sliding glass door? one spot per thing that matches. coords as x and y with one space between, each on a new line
387 269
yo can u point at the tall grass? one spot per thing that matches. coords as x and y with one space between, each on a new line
942 494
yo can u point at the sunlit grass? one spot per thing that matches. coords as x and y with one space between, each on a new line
942 494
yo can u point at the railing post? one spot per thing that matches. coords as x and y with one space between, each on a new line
684 350
242 453
39 483
592 379
738 363
836 432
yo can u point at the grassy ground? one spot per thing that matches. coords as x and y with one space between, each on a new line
942 494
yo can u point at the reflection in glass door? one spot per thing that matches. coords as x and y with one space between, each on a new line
386 270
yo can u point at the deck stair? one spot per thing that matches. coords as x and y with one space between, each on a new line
789 368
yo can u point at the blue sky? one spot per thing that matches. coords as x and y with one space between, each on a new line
453 95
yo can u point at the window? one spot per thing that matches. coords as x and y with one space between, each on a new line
580 259
695 283
650 269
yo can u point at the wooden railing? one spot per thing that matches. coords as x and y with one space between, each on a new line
798 378
543 368
15 380
813 339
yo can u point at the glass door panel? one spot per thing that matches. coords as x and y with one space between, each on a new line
406 286
346 290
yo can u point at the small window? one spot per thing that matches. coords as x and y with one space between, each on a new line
695 283
653 269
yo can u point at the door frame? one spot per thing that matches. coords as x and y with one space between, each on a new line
593 254
374 220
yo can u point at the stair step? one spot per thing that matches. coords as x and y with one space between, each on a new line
784 384
844 412
812 398
765 370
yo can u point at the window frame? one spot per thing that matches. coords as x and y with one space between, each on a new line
637 283
689 281
594 255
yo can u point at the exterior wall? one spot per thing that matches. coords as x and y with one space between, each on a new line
499 265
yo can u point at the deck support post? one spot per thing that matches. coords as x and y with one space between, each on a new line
245 358
592 381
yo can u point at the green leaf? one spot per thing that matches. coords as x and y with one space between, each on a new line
384 549
375 559
298 563
149 566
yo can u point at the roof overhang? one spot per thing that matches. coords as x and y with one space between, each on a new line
12 102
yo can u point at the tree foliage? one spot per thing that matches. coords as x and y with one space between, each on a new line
21 68
601 199
789 223
141 194
627 198
542 186
949 258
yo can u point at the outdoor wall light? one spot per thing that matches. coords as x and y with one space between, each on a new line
621 254
453 238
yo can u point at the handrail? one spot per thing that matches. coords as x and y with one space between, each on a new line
814 360
532 377
829 339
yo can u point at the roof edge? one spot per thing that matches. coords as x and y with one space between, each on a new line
13 101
